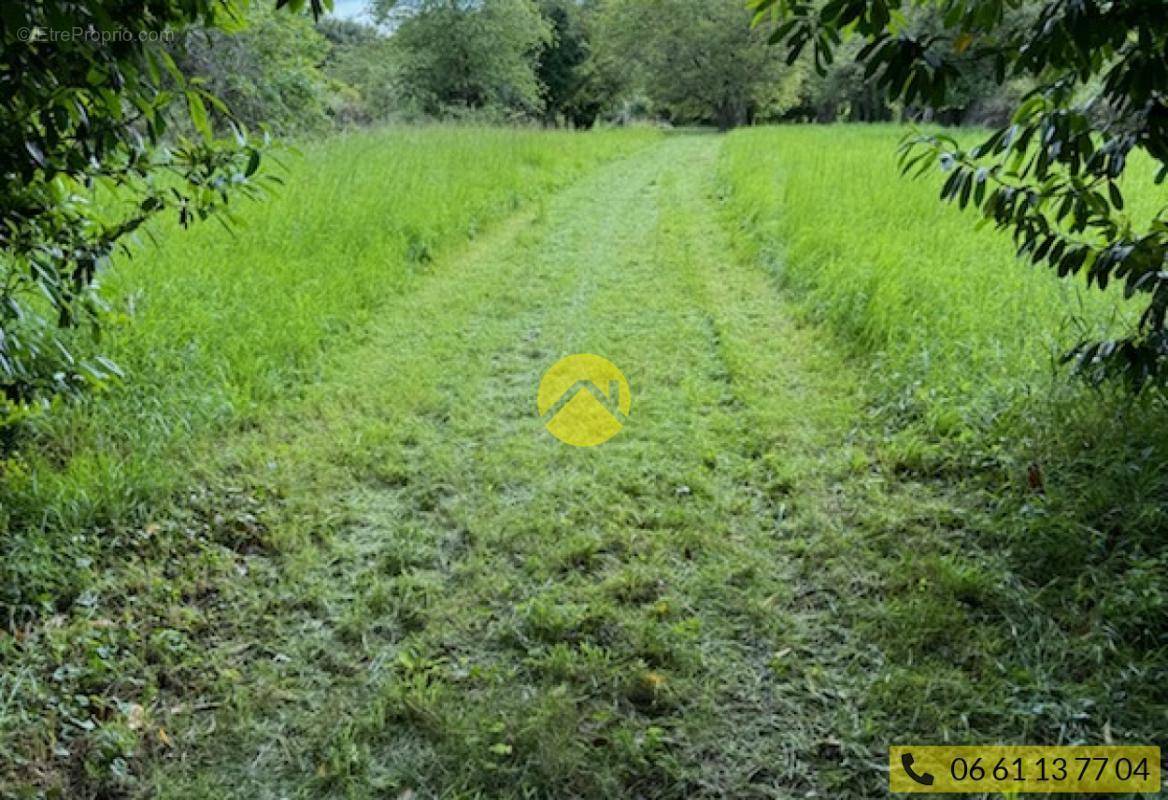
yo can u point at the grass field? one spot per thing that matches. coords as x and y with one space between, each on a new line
962 344
319 545
960 347
220 328
956 325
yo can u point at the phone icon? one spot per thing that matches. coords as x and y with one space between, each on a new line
906 761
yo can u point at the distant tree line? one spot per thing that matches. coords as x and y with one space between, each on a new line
555 62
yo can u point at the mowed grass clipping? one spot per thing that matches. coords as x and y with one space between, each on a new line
218 328
497 614
123 529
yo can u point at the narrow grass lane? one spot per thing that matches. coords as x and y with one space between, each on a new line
468 607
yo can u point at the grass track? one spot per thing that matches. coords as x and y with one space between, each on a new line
409 587
500 615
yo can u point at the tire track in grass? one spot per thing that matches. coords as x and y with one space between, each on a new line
470 608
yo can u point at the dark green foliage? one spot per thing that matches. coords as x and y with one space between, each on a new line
1053 176
840 93
87 97
458 56
565 67
697 60
364 72
268 74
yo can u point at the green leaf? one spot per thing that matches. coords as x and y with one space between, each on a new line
198 113
253 163
1116 196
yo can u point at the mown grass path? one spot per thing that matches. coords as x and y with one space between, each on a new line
468 607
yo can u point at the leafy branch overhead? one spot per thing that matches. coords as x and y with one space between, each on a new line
1054 175
100 132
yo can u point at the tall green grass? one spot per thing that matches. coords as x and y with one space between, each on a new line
953 319
221 327
961 342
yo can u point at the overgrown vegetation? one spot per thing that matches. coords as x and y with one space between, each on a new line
339 557
460 57
150 95
695 60
267 68
557 62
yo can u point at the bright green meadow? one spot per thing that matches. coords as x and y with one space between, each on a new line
318 543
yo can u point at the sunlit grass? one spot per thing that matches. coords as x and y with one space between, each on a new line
953 318
1058 491
319 545
219 328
